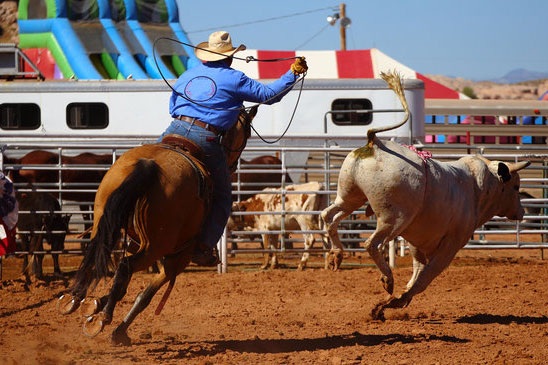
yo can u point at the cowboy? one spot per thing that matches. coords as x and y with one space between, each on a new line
213 96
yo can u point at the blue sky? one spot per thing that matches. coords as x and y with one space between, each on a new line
473 39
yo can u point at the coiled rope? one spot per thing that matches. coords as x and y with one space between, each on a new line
247 60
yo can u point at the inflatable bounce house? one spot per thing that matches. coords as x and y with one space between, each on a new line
103 39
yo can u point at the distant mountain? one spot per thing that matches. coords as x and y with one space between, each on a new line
520 75
525 90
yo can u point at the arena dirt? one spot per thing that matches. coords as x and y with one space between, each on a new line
488 307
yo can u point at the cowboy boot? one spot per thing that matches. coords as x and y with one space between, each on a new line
204 255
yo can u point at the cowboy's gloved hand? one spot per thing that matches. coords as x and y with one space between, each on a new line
299 66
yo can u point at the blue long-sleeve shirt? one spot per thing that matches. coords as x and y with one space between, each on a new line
216 85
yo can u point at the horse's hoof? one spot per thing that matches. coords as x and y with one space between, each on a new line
301 267
120 337
67 304
94 325
89 307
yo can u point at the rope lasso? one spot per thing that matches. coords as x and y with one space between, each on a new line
247 60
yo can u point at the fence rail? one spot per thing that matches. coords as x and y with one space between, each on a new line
322 163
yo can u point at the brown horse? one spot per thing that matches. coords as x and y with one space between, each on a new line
78 179
159 196
46 223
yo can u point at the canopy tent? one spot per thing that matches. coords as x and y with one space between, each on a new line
367 63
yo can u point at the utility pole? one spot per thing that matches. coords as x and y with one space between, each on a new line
343 23
342 14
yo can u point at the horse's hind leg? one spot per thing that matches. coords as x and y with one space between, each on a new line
95 323
173 265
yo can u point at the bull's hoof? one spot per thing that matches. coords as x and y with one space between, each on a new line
89 306
94 325
67 304
119 337
378 312
335 260
387 284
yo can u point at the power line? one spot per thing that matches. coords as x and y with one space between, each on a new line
311 38
333 8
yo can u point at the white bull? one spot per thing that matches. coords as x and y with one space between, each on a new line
435 206
272 202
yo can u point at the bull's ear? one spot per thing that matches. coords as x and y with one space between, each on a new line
504 172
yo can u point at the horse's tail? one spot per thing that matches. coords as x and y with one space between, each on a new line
116 214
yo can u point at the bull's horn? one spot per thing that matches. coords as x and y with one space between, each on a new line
513 167
486 161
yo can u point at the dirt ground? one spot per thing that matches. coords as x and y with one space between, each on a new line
488 307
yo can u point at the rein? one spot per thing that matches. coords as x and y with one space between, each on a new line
242 108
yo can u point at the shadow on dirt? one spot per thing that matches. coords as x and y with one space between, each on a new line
52 280
261 346
484 318
31 306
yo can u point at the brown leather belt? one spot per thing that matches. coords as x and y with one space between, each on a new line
199 123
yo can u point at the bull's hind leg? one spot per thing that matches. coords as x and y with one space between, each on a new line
382 235
173 265
332 215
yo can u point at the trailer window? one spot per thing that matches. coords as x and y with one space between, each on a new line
87 115
22 116
351 118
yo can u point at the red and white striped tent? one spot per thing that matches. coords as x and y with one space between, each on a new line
355 64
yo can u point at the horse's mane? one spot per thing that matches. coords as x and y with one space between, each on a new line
235 139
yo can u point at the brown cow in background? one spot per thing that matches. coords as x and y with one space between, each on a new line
259 181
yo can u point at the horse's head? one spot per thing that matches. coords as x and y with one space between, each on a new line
235 139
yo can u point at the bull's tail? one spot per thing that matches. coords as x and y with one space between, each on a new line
393 79
117 212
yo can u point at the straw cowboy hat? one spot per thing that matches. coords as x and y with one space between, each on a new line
217 48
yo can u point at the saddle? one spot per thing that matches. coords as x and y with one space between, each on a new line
194 154
184 144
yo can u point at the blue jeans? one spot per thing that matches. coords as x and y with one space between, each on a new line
215 161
